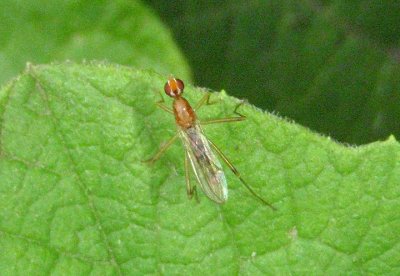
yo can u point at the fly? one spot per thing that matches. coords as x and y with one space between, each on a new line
200 152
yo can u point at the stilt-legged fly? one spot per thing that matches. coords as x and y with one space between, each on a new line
200 152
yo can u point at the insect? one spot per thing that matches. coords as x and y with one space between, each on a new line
200 152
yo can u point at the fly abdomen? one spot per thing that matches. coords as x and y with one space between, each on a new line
199 149
205 164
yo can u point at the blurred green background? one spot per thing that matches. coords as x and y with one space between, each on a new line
333 66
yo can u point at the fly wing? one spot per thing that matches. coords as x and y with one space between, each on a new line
205 164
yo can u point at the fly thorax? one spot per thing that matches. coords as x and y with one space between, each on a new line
184 114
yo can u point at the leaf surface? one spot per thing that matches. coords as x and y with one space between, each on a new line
76 198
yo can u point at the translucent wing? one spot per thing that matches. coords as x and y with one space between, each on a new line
205 164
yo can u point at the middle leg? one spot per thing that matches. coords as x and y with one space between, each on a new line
162 150
239 118
204 100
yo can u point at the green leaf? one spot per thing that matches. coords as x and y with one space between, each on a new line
124 32
76 198
330 65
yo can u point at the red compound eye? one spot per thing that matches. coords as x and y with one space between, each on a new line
174 87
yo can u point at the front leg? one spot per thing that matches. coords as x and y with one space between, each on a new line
161 104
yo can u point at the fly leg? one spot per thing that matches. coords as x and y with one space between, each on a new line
161 104
162 150
204 100
237 173
240 117
191 190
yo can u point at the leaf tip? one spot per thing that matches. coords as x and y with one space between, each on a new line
391 139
